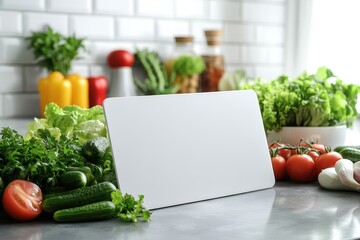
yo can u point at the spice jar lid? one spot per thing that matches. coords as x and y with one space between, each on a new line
213 37
184 39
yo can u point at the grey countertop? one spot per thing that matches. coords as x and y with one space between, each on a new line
287 211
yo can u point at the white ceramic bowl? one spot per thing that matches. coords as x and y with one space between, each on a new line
331 136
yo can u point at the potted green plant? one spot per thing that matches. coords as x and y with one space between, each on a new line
310 106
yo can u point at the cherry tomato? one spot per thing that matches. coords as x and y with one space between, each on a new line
285 153
300 168
320 147
279 167
314 155
120 58
317 146
326 160
22 200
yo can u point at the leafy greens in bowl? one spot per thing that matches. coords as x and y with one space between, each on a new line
312 100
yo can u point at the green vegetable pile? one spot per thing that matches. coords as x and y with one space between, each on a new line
315 100
65 153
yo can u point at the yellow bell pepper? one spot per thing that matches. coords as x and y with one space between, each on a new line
63 95
72 90
43 89
55 80
80 90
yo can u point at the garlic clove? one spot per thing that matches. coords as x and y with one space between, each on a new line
329 179
357 171
345 169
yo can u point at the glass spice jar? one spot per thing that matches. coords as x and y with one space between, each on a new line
183 47
214 62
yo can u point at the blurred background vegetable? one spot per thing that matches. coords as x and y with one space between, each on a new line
98 86
54 51
157 81
187 69
314 100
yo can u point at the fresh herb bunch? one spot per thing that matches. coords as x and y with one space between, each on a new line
128 209
54 51
312 100
40 160
187 65
157 82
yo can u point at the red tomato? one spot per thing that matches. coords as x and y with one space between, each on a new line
300 168
285 153
22 200
120 58
314 155
326 160
279 167
317 146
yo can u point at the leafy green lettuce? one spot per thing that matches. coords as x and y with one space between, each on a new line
319 99
69 121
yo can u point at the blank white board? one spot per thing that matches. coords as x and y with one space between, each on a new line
182 148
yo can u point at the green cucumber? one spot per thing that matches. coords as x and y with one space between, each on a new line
78 197
73 179
89 212
87 171
94 149
352 154
339 148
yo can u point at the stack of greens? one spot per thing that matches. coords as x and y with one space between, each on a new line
313 100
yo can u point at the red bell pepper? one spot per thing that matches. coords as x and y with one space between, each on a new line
98 86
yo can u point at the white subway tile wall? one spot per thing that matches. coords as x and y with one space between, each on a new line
115 7
71 6
253 38
23 4
10 23
34 22
198 9
225 10
136 28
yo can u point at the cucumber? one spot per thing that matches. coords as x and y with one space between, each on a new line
89 212
94 149
73 179
352 154
339 148
79 197
87 171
